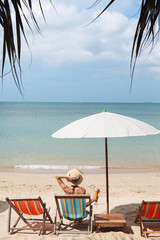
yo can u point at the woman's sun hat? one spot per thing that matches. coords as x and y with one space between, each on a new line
75 173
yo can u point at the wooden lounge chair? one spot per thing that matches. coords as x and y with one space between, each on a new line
149 218
31 207
72 208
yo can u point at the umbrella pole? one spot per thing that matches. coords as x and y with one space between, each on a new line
107 184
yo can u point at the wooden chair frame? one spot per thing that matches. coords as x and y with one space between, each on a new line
142 220
21 216
58 229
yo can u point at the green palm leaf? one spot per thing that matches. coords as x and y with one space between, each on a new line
12 35
145 33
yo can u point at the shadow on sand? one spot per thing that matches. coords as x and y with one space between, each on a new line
129 212
3 206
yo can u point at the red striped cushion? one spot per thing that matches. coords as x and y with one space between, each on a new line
30 207
151 210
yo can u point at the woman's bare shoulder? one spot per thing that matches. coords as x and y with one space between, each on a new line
80 190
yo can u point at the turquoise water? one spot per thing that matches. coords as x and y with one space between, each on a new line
26 142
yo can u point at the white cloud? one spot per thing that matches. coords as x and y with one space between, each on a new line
67 41
155 69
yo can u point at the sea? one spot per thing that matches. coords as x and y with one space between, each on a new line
26 143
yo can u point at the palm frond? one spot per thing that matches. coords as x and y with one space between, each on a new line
146 32
94 4
12 34
101 11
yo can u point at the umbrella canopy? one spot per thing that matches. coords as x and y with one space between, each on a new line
106 125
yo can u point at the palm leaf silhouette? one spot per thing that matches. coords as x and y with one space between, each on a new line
13 32
146 32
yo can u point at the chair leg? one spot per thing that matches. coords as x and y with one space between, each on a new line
9 219
146 235
48 216
91 226
20 216
14 226
43 223
60 223
54 225
88 225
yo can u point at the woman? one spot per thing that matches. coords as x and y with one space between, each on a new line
74 176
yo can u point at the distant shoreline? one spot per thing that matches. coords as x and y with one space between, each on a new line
85 171
79 102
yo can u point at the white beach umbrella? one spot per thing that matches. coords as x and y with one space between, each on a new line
105 125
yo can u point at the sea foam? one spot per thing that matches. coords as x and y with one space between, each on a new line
56 167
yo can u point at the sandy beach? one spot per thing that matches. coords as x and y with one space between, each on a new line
127 190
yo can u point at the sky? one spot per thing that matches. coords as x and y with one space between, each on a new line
71 61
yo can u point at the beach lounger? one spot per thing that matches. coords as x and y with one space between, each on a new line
72 208
32 207
149 218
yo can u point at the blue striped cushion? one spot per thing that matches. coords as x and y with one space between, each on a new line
74 209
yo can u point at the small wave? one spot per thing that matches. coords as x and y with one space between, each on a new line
55 167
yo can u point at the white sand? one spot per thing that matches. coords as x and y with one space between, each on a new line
127 190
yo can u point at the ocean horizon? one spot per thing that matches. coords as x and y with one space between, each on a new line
26 141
